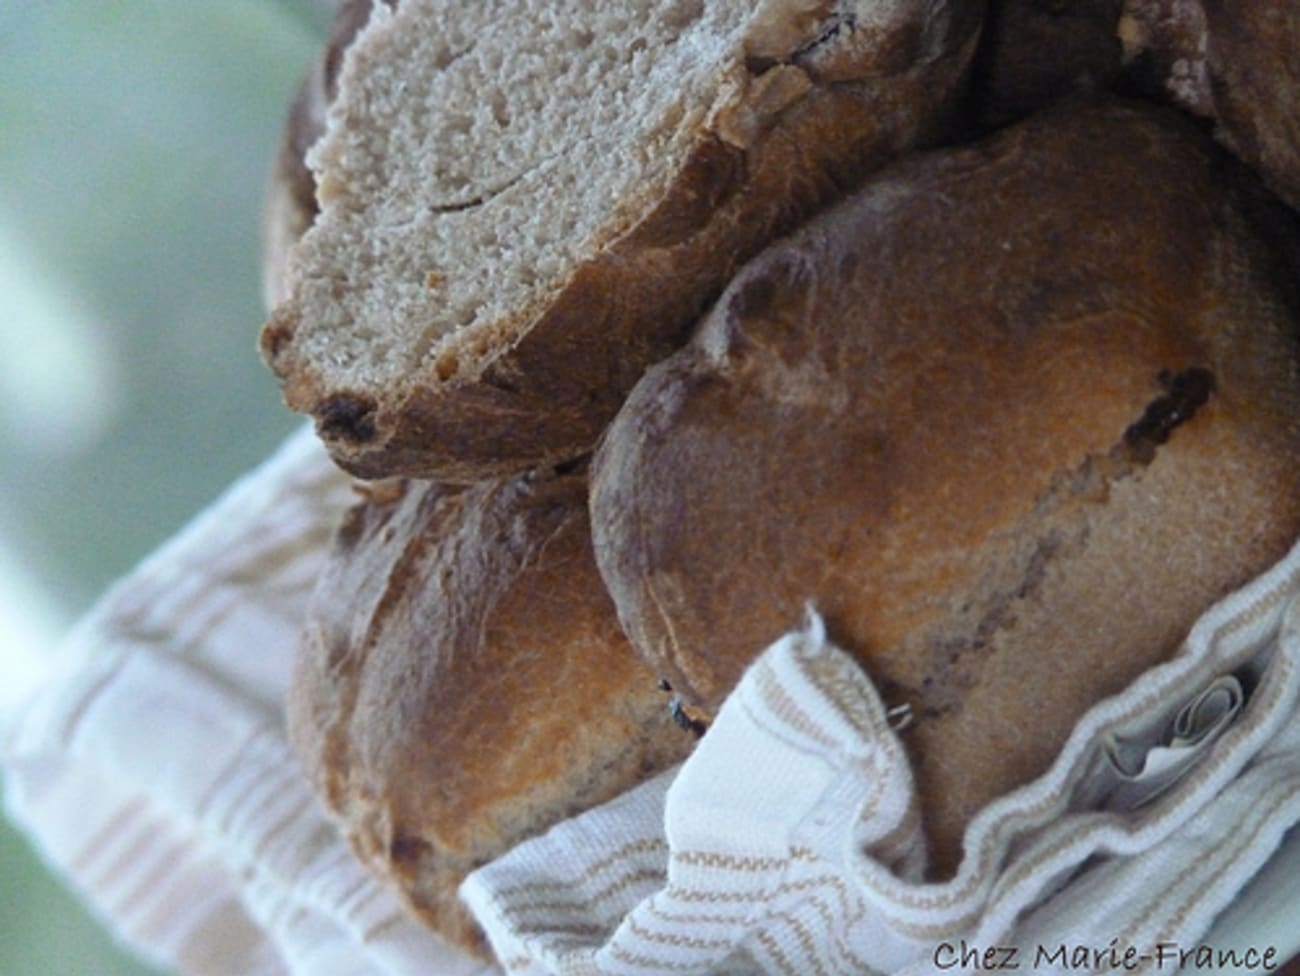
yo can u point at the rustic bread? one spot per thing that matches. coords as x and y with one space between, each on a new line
290 205
463 683
1235 63
521 208
1010 419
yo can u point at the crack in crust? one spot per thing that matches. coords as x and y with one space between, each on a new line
837 23
1188 391
941 691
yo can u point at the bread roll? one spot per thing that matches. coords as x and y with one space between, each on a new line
1010 419
522 207
1235 63
463 683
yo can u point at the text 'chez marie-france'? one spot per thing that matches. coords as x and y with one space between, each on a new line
1114 956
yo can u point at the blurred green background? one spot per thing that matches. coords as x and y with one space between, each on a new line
135 141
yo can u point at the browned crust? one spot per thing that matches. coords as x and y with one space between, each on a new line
464 684
1254 57
1009 421
782 152
1234 63
1034 52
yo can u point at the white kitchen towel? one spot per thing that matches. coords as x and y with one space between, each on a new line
153 770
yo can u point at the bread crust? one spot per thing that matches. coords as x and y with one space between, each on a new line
1235 63
463 683
801 113
1010 419
1034 52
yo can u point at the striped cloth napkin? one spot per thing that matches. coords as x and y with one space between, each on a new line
152 769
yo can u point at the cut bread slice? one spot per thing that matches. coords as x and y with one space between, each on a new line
290 205
523 206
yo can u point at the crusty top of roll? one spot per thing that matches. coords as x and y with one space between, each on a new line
1010 418
463 683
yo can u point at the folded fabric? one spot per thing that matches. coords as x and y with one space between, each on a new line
1142 767
152 769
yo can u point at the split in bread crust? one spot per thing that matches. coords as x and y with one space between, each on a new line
1032 53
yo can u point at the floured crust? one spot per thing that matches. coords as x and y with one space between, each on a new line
805 98
1010 418
463 683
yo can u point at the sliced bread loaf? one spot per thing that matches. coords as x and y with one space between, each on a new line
523 206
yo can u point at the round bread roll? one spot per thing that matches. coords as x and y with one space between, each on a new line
1235 63
1010 419
463 683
